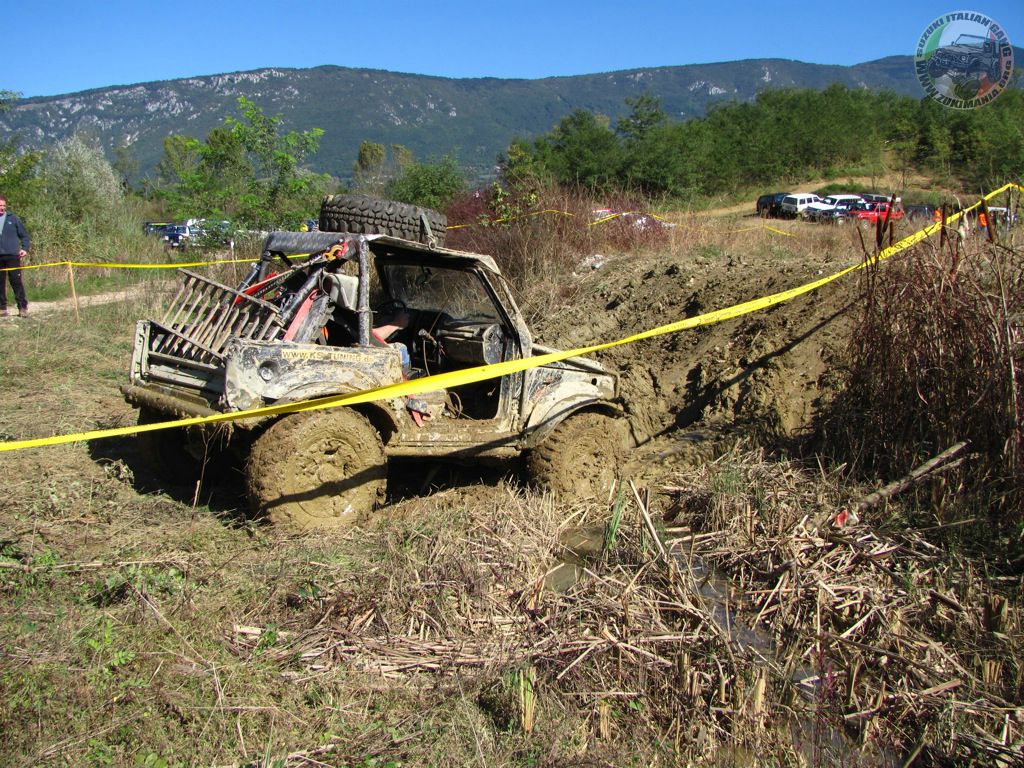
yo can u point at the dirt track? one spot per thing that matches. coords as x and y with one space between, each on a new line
68 305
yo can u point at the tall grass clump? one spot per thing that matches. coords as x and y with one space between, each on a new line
937 360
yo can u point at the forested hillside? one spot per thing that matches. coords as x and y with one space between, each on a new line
471 119
783 135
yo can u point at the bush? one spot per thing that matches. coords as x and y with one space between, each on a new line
80 182
431 185
938 359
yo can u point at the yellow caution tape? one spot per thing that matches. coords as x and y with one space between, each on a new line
496 370
122 265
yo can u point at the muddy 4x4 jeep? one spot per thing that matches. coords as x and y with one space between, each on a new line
968 56
362 308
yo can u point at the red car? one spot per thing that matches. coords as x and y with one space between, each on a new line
869 213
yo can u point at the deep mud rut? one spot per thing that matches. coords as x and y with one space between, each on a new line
759 377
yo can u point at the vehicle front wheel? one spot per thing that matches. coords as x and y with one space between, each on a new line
178 455
318 469
582 458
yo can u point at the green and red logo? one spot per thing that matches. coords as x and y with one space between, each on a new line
964 59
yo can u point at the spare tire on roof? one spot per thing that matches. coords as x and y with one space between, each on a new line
362 215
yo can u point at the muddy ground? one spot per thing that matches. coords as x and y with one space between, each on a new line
759 377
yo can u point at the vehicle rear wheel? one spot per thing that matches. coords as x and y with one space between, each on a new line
364 215
318 469
582 457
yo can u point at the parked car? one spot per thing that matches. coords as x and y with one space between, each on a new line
794 204
919 212
204 233
640 221
824 209
869 213
770 206
176 235
873 197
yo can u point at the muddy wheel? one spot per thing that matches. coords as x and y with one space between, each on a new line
175 455
363 215
320 469
582 457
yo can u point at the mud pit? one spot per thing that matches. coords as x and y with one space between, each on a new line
759 377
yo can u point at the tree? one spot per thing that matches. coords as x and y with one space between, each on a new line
646 116
280 192
125 164
246 168
584 151
80 183
431 185
368 171
17 168
7 99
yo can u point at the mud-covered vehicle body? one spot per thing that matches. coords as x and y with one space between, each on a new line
352 313
967 56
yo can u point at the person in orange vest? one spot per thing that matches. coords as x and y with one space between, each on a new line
937 215
982 222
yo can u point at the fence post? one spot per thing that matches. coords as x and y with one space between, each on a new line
74 293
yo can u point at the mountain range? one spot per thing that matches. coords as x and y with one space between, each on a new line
471 119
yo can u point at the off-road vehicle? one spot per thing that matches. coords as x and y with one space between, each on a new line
370 300
968 56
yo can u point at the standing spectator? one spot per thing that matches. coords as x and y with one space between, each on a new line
13 248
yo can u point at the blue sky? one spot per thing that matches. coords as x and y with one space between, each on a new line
55 46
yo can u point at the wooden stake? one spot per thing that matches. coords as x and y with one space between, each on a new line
74 293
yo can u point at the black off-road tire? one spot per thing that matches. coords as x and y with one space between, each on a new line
362 215
319 469
582 458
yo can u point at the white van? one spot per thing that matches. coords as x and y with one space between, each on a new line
830 205
793 205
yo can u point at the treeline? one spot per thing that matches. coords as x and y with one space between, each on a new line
251 171
783 135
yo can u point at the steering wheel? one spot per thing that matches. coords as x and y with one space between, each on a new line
392 307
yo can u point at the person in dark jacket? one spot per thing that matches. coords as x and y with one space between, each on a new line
13 248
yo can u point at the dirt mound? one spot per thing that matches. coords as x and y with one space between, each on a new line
760 375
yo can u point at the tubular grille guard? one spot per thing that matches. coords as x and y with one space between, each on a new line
204 315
